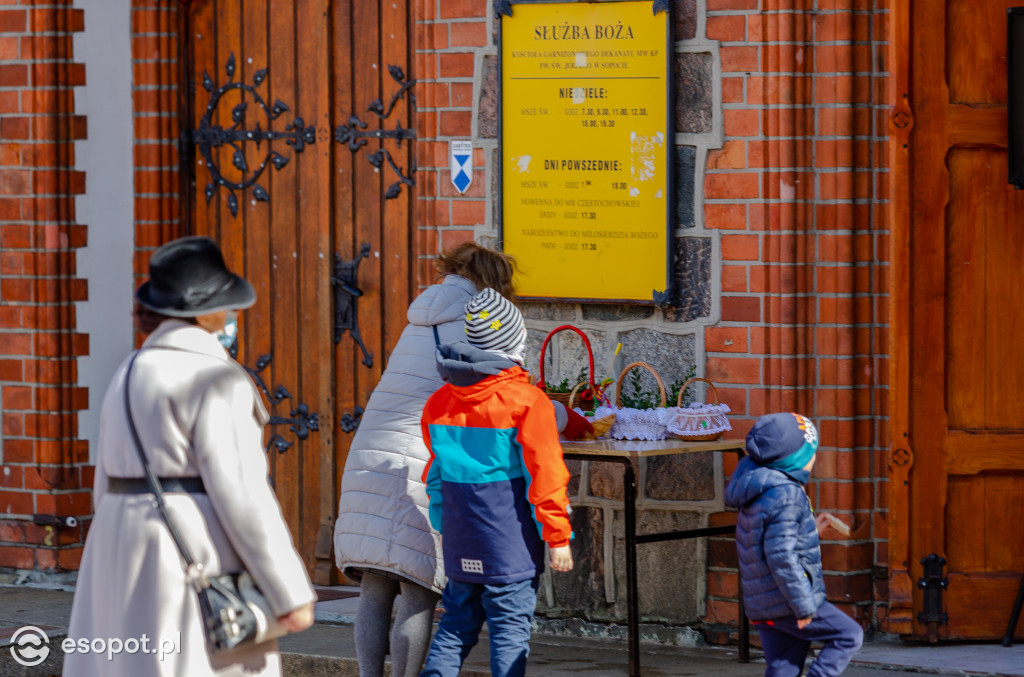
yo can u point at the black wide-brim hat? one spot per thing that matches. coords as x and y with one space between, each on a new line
188 277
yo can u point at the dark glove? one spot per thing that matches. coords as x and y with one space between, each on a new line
577 426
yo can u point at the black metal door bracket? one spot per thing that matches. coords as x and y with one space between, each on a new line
350 421
210 136
346 293
302 420
933 584
355 133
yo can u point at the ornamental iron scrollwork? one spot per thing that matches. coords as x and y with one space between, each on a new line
350 421
354 134
302 421
346 292
210 136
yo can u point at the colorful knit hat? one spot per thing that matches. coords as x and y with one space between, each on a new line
784 441
494 323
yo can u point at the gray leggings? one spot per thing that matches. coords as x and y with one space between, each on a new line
410 636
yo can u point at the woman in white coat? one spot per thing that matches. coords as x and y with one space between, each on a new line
383 534
200 421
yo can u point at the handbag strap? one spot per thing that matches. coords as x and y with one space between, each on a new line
194 570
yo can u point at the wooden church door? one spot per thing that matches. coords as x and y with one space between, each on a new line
958 491
298 160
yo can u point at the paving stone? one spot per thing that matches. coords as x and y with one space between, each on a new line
668 593
694 111
495 190
686 161
606 479
558 312
615 312
487 106
692 280
575 468
582 589
671 355
681 478
684 18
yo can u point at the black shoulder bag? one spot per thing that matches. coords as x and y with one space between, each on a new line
234 611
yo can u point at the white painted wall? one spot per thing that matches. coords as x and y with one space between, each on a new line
107 205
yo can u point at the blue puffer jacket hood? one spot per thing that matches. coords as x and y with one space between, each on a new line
776 543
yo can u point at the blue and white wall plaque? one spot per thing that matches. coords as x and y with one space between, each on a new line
461 158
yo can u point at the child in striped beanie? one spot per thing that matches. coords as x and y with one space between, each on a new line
494 324
495 466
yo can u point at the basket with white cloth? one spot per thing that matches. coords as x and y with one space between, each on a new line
632 423
698 422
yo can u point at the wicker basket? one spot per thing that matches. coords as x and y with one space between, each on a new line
565 398
657 377
636 424
594 391
698 422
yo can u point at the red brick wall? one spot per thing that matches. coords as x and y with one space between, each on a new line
797 192
156 100
448 37
43 472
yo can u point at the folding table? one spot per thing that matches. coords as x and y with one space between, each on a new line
624 452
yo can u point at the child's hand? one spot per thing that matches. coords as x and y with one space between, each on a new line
824 520
802 623
561 558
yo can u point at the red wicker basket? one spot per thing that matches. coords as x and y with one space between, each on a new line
565 398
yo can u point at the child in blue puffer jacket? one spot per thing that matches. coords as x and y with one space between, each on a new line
779 553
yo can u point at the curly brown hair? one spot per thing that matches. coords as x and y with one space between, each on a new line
482 266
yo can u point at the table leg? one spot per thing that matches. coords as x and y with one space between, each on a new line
632 587
632 592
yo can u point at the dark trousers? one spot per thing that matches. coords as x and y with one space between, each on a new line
786 646
508 610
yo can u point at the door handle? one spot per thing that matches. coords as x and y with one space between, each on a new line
346 293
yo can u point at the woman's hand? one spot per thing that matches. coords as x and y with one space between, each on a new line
802 623
299 619
561 558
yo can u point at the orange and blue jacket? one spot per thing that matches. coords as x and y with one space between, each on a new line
496 479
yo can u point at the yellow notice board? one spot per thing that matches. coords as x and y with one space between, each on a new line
585 149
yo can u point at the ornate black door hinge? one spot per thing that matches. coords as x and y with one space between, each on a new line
346 293
210 136
350 422
933 584
302 421
355 134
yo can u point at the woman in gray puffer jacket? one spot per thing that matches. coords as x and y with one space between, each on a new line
383 533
